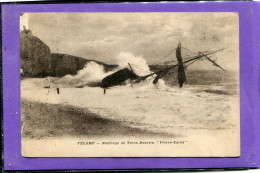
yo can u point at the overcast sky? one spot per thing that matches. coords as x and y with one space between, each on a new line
102 36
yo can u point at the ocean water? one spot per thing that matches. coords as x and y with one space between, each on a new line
208 101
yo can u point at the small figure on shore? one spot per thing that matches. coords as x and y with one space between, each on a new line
46 83
58 90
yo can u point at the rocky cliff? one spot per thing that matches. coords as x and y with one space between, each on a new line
38 61
63 64
35 55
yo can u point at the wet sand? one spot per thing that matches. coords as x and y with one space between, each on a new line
55 120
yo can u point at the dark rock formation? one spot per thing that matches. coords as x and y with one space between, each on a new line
38 61
35 55
63 64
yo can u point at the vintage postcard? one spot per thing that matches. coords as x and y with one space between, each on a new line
130 84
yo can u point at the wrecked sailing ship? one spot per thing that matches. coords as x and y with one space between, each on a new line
171 67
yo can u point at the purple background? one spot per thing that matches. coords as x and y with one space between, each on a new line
256 53
249 88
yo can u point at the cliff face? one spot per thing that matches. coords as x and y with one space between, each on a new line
38 61
35 55
63 64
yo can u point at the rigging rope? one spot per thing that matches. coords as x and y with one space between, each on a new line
156 62
189 50
139 68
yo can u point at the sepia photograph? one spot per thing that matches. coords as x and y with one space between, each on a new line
153 84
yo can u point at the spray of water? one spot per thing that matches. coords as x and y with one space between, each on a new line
93 73
138 63
90 75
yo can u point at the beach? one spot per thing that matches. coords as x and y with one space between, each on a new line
197 114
